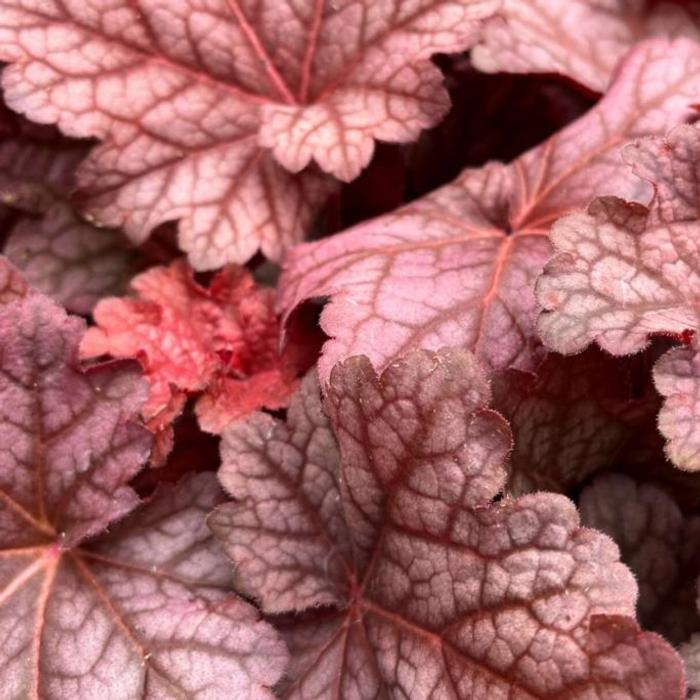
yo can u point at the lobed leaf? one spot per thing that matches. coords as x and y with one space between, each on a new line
198 103
458 266
428 588
85 612
584 43
220 342
624 271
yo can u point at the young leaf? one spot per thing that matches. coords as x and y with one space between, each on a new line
659 544
198 103
458 267
585 43
140 611
430 589
624 271
221 342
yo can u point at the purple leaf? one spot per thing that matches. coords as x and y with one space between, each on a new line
429 588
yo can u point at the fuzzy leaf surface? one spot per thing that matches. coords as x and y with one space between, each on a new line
624 271
657 542
585 43
219 342
198 103
139 611
429 588
458 267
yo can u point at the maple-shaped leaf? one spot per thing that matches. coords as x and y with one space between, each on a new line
458 266
586 42
219 342
624 271
199 103
427 588
60 253
659 544
140 611
570 419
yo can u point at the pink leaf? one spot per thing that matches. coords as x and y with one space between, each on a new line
659 545
140 611
220 343
198 103
430 589
585 43
624 271
458 266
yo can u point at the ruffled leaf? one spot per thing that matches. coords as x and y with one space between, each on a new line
458 266
198 104
624 271
138 611
220 343
430 588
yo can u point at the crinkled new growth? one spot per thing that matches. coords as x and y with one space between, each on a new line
429 588
659 544
585 42
140 611
199 103
220 343
458 267
624 271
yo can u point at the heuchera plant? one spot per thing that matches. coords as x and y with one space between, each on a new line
350 349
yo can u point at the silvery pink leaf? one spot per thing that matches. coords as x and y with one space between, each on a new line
458 267
204 108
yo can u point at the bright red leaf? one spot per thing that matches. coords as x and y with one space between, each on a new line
141 610
585 42
659 544
458 266
624 271
431 590
198 103
220 343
